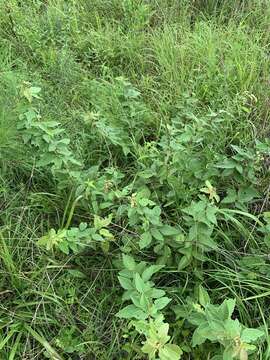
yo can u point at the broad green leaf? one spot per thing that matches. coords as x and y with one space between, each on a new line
144 302
231 197
199 335
216 331
97 237
65 141
129 262
227 164
230 304
181 311
239 168
165 254
144 202
194 208
31 92
82 226
204 298
102 222
228 353
106 233
207 242
135 298
214 313
52 239
139 283
211 214
145 240
73 246
130 312
63 246
157 293
141 326
150 271
105 204
184 262
248 347
163 330
243 355
150 348
125 283
97 222
232 328
170 352
247 194
251 335
105 246
146 174
168 230
153 215
161 302
157 234
196 318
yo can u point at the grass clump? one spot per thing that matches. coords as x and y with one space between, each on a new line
134 168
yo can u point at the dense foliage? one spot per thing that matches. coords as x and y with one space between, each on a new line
134 179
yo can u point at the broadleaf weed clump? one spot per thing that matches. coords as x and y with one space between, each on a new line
134 218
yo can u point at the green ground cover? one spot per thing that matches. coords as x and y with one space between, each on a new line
134 179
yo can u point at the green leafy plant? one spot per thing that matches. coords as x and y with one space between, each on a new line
157 340
214 323
118 111
101 189
69 341
201 218
77 239
46 137
134 131
145 213
147 303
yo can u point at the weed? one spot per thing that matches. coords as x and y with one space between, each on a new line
134 170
